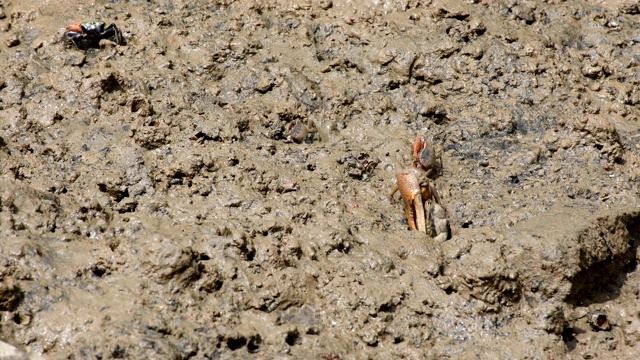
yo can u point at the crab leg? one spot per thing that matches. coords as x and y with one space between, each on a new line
429 192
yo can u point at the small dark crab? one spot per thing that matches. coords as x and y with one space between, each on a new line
88 34
361 166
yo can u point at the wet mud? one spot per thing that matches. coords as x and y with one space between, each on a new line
217 185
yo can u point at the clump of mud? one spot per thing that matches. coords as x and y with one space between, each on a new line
154 205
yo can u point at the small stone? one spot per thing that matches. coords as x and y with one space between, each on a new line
523 13
591 71
106 43
13 41
76 59
325 4
8 351
551 318
385 56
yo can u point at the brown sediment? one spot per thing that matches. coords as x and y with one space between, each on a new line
151 207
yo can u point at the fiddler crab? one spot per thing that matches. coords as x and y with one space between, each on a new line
88 34
297 131
419 195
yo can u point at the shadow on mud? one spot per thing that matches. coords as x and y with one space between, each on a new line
602 281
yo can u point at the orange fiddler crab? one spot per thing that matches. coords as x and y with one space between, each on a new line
419 195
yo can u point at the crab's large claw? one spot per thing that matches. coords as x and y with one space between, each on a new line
411 192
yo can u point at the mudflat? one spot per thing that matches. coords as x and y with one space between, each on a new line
217 184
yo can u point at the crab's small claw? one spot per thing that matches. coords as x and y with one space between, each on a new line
439 223
411 192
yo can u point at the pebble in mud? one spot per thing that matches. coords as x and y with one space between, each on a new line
13 41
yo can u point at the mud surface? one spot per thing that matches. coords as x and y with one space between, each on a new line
154 204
